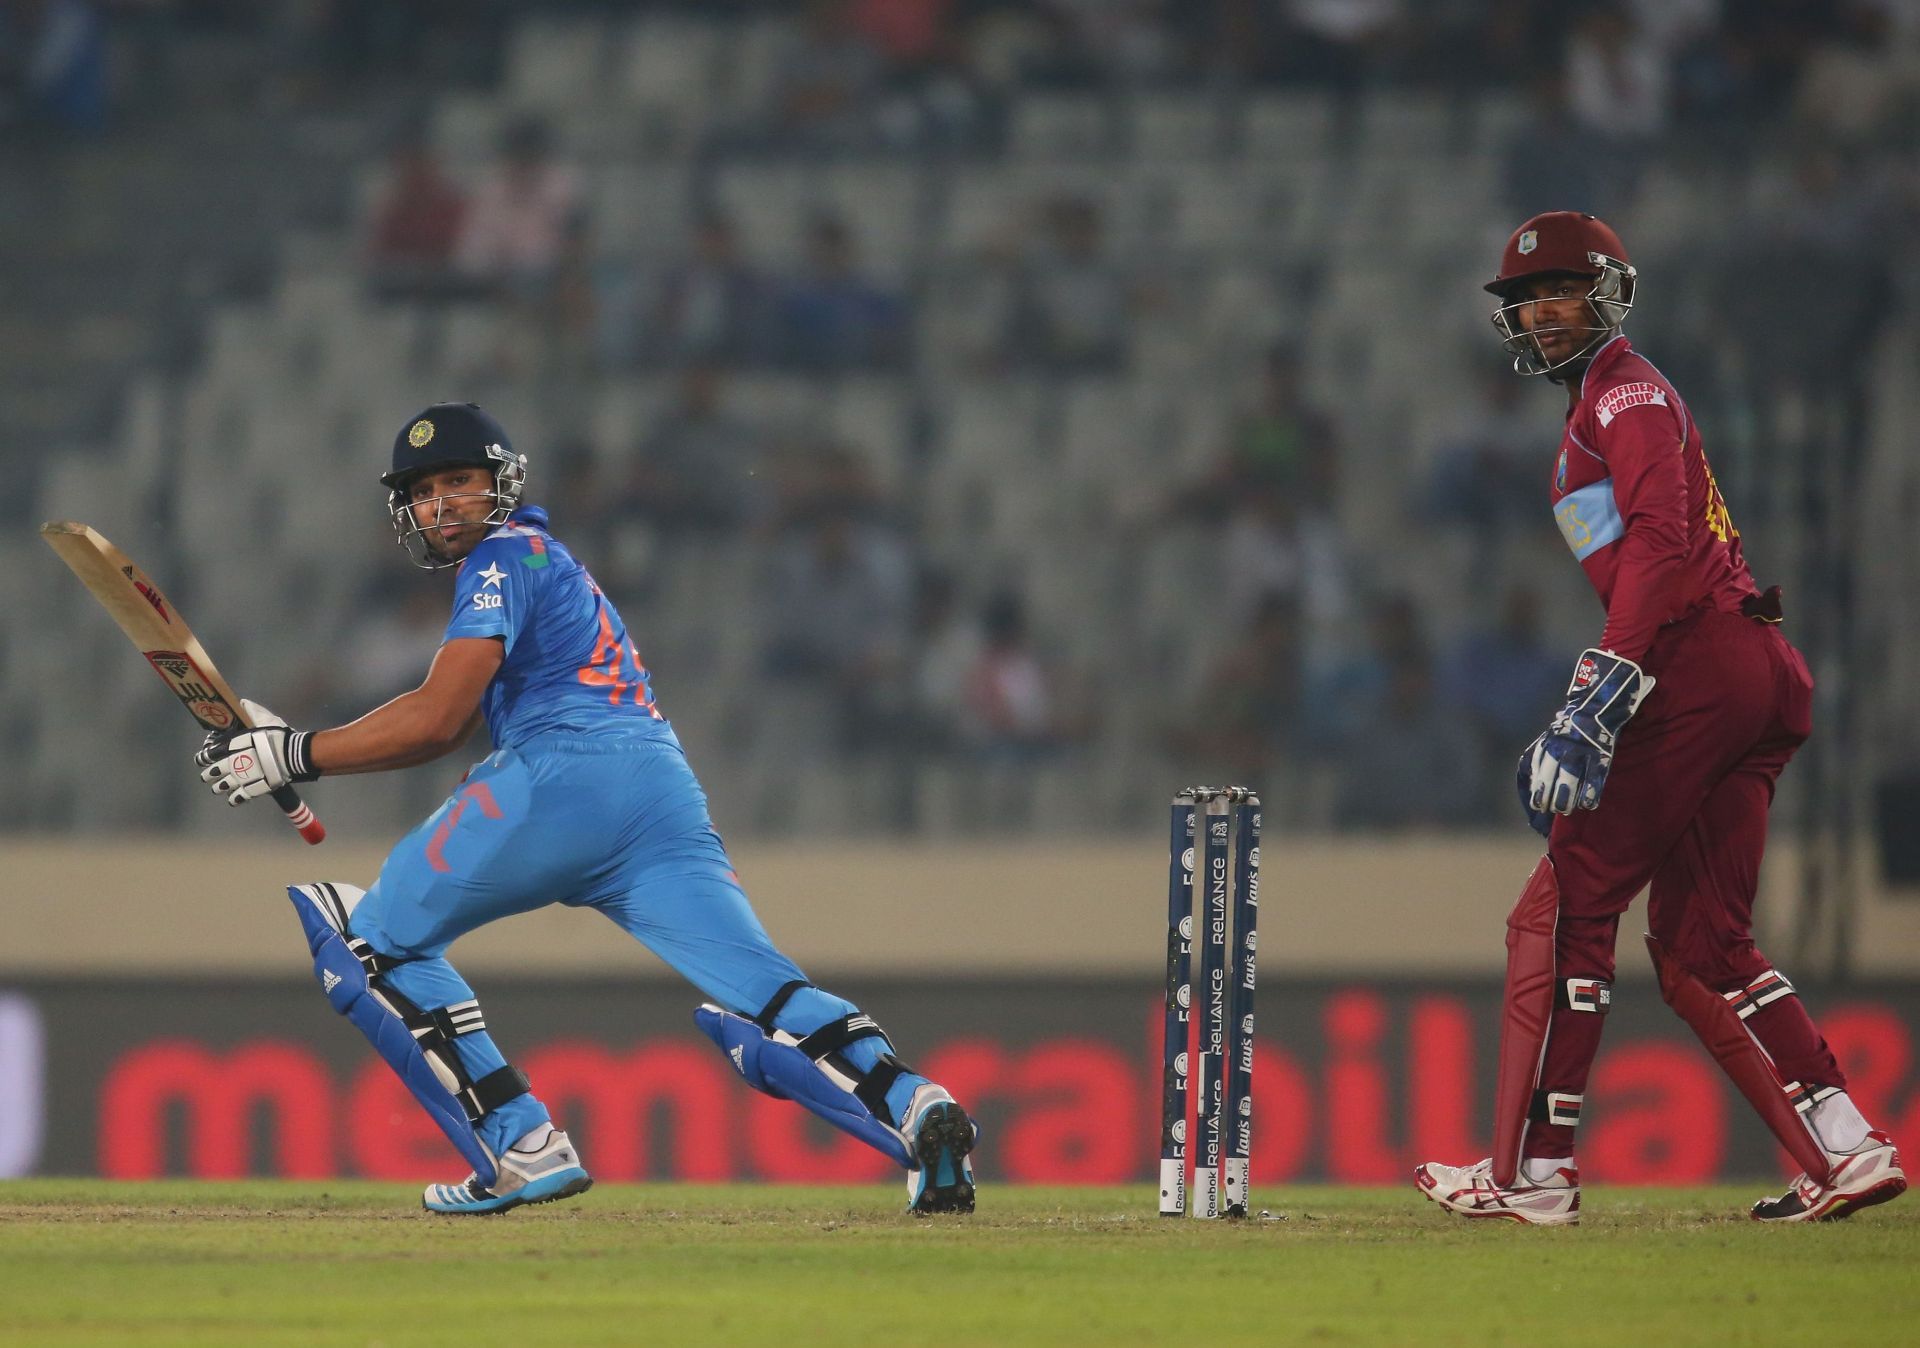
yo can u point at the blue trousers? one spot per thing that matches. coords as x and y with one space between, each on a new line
618 825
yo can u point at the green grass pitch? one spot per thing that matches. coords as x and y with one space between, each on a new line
321 1263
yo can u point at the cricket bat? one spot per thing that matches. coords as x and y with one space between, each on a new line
153 625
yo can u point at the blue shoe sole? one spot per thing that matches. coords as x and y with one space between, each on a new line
941 1144
548 1189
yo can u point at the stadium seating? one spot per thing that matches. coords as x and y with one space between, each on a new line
1262 216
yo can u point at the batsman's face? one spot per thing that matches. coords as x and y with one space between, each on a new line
1556 311
451 507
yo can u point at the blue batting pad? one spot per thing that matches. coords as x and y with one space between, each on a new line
784 1072
344 979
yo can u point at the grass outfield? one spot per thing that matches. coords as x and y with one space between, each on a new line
345 1263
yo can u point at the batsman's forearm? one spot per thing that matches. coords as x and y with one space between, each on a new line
410 729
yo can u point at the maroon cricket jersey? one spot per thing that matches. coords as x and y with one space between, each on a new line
1636 501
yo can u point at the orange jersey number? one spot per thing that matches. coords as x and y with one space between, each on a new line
616 665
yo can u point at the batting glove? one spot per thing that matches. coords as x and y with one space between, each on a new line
1567 767
240 763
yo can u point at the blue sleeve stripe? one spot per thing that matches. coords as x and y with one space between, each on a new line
1589 519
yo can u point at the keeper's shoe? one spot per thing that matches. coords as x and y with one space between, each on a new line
542 1174
1469 1191
1860 1179
940 1135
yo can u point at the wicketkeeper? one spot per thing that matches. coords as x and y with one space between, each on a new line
586 800
1658 771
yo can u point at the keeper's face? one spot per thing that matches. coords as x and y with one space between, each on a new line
1556 311
450 507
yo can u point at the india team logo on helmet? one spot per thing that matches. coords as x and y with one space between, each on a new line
449 435
1529 240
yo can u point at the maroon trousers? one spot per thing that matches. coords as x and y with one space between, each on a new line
1685 811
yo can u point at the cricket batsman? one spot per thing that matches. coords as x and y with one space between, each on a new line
1658 771
586 800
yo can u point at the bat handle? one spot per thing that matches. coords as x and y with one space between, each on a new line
300 815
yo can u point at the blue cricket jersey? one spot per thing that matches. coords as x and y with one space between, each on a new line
570 666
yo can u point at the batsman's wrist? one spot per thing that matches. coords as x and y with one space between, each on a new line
299 760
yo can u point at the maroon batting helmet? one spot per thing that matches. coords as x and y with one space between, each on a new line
1563 243
1556 243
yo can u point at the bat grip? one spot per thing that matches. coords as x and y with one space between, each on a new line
300 815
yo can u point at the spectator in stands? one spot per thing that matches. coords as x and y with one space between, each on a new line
836 614
1126 42
1345 693
1246 717
549 334
414 226
713 307
695 469
1284 441
1013 704
1821 235
1281 444
1618 85
1269 544
517 226
1338 43
1487 474
945 647
932 97
1410 765
1505 681
390 637
53 65
904 32
567 313
836 319
826 81
1554 157
1763 48
1071 302
1270 502
1855 85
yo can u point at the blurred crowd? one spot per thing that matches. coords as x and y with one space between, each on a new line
1322 667
878 72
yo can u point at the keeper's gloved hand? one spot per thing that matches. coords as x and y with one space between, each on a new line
1538 820
1566 769
241 763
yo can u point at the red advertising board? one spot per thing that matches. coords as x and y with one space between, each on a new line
1353 1083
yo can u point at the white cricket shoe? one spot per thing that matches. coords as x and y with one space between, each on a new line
540 1174
1868 1175
1469 1191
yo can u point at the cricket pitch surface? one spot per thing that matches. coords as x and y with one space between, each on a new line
333 1262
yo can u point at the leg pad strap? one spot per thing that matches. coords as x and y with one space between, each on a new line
775 1064
1556 1107
417 1044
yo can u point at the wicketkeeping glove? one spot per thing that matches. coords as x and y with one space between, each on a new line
1567 767
241 763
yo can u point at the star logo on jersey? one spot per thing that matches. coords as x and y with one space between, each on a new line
492 576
